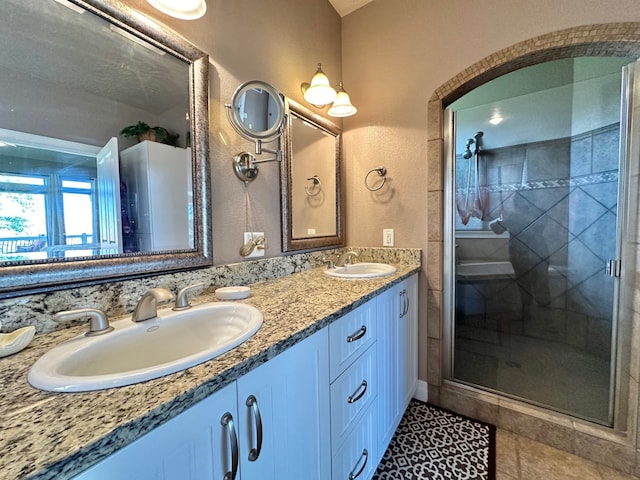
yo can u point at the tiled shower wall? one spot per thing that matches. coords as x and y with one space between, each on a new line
558 200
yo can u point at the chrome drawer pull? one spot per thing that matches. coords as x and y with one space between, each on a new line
357 335
352 475
355 396
252 403
227 421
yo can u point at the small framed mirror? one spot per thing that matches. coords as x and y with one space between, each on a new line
257 111
310 181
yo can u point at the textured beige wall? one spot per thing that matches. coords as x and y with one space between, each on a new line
280 42
395 55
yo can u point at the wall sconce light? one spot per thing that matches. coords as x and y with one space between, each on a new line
342 106
320 93
183 9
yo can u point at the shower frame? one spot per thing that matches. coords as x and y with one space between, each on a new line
449 261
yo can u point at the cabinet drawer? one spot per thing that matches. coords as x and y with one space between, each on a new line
351 394
350 336
356 458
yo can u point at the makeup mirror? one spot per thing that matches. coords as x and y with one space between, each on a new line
256 112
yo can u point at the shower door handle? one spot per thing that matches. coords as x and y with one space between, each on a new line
612 268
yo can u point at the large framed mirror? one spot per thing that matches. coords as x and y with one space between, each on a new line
312 207
104 170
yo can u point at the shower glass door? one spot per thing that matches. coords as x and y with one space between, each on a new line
535 212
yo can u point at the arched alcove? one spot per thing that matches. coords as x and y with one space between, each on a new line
613 40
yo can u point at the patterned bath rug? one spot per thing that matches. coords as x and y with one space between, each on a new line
436 444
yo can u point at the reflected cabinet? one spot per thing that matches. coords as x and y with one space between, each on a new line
157 200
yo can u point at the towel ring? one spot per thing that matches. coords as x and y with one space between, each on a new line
382 172
315 188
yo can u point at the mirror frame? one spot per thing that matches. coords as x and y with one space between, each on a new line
289 243
41 276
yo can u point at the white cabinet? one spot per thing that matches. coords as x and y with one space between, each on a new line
158 199
397 355
288 408
354 391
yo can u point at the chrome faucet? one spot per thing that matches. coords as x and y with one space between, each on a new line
146 307
346 258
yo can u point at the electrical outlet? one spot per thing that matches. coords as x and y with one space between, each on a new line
258 251
311 231
387 237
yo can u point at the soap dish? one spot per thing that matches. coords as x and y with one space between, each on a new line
15 341
232 293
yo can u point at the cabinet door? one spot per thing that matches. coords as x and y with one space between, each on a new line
292 395
388 365
191 446
409 339
397 355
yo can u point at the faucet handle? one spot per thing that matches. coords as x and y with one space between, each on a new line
98 323
329 261
182 302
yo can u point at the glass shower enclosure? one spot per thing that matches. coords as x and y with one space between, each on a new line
534 222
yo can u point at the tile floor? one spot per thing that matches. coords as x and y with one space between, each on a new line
519 458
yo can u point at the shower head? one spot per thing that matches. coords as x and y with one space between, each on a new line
467 153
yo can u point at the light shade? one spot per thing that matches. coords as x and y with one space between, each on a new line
319 92
183 9
342 105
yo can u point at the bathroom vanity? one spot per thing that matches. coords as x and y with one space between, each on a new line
327 378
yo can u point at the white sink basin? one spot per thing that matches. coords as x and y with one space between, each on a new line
135 352
361 270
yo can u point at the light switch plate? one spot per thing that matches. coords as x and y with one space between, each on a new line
387 237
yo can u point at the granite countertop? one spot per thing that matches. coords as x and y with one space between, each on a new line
57 435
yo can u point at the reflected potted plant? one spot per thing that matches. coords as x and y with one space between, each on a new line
142 131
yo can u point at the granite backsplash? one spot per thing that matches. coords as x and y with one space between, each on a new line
119 298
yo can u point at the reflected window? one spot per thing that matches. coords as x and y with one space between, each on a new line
45 216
